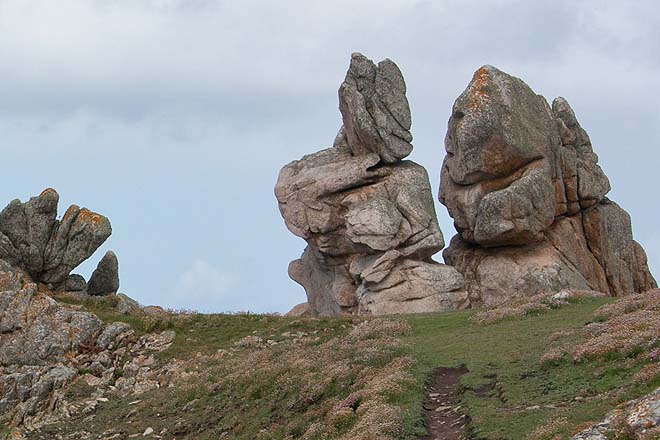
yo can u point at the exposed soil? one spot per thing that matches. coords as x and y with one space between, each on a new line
442 406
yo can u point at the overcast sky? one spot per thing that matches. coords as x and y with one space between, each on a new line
173 117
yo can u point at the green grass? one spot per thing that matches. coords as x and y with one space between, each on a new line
506 376
507 393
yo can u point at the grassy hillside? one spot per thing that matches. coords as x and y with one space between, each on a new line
511 390
268 377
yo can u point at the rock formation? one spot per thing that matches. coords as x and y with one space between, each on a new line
33 329
366 214
31 238
46 345
523 185
105 279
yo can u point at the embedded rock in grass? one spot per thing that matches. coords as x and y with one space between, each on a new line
368 217
299 310
31 238
639 418
523 185
105 278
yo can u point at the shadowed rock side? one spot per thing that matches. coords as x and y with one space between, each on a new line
32 239
368 217
523 185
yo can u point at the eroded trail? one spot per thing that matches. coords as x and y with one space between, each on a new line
441 406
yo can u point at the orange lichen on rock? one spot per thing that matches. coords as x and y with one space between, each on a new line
47 191
73 210
478 95
87 216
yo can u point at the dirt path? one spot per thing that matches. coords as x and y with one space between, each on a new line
443 421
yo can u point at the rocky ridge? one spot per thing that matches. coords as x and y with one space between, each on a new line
45 344
368 215
528 199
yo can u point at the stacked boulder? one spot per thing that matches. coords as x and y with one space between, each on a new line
368 215
523 185
47 249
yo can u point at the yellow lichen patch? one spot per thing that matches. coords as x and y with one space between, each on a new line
73 210
5 278
89 217
478 95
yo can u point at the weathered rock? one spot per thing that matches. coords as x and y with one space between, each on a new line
127 305
298 310
110 333
527 196
28 226
105 278
32 239
497 275
368 218
375 110
26 390
639 418
77 236
43 344
584 181
73 283
36 331
497 177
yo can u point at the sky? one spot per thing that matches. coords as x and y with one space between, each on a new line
174 117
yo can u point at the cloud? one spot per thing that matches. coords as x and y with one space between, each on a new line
204 287
150 107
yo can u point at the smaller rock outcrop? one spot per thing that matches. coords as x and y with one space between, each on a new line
105 279
32 239
368 216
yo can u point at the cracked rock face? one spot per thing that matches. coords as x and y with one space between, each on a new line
367 216
523 185
31 237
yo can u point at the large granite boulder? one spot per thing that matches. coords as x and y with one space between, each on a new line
523 185
31 237
368 217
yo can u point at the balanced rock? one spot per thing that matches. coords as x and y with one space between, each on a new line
31 238
105 278
523 185
375 110
368 217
